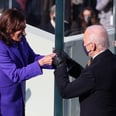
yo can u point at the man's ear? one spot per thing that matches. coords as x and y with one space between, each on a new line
93 46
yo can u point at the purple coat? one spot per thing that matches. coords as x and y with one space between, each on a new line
18 63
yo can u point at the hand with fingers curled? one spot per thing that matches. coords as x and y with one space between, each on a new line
59 60
63 59
47 60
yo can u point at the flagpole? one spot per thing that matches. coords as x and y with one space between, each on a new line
10 4
59 45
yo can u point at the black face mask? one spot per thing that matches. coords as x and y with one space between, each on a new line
85 50
54 18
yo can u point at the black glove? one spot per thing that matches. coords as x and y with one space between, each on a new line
74 69
59 60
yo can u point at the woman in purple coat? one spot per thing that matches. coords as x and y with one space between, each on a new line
18 63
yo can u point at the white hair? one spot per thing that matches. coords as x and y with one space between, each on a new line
99 36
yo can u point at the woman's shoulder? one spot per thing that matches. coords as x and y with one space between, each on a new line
3 46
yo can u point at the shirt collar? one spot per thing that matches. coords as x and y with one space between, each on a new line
98 54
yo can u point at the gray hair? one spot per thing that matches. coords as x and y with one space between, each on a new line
53 9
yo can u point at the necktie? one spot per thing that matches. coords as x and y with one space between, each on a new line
89 62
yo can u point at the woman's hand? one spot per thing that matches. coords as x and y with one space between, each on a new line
47 60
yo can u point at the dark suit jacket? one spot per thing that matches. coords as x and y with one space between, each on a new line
95 87
49 28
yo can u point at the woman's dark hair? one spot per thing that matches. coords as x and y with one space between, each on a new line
93 19
11 21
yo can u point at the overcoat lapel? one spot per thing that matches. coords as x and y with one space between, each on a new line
24 52
15 50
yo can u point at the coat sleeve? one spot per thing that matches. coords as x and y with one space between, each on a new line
83 84
10 69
